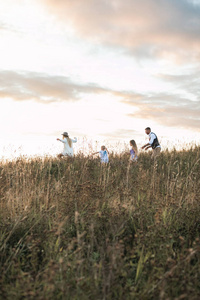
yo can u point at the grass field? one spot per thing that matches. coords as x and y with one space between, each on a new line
74 229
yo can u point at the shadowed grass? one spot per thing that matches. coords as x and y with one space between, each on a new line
76 229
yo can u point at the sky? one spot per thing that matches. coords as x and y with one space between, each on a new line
102 70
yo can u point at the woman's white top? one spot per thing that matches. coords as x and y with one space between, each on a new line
104 156
67 150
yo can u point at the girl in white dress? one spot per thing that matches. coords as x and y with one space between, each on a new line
68 145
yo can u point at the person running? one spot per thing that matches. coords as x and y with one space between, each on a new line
68 145
133 151
153 143
103 153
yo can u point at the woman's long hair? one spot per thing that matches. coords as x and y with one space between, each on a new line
134 145
69 141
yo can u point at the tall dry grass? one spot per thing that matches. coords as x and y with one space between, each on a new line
76 229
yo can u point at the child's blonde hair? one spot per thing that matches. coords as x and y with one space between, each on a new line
133 144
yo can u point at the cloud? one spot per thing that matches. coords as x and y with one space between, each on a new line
167 109
146 28
178 108
186 82
42 87
6 27
3 26
120 134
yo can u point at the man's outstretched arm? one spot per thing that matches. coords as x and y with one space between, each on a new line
146 145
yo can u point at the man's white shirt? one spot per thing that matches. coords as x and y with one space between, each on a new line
152 137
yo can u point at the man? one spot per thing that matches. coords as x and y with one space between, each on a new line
153 143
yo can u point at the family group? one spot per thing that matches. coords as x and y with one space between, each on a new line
104 154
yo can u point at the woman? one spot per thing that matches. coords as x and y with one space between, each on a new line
68 145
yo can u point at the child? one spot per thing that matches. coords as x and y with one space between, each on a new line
103 154
133 151
68 145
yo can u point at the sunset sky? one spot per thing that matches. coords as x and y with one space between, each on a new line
103 70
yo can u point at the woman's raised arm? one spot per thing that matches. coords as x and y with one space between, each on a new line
61 141
75 140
